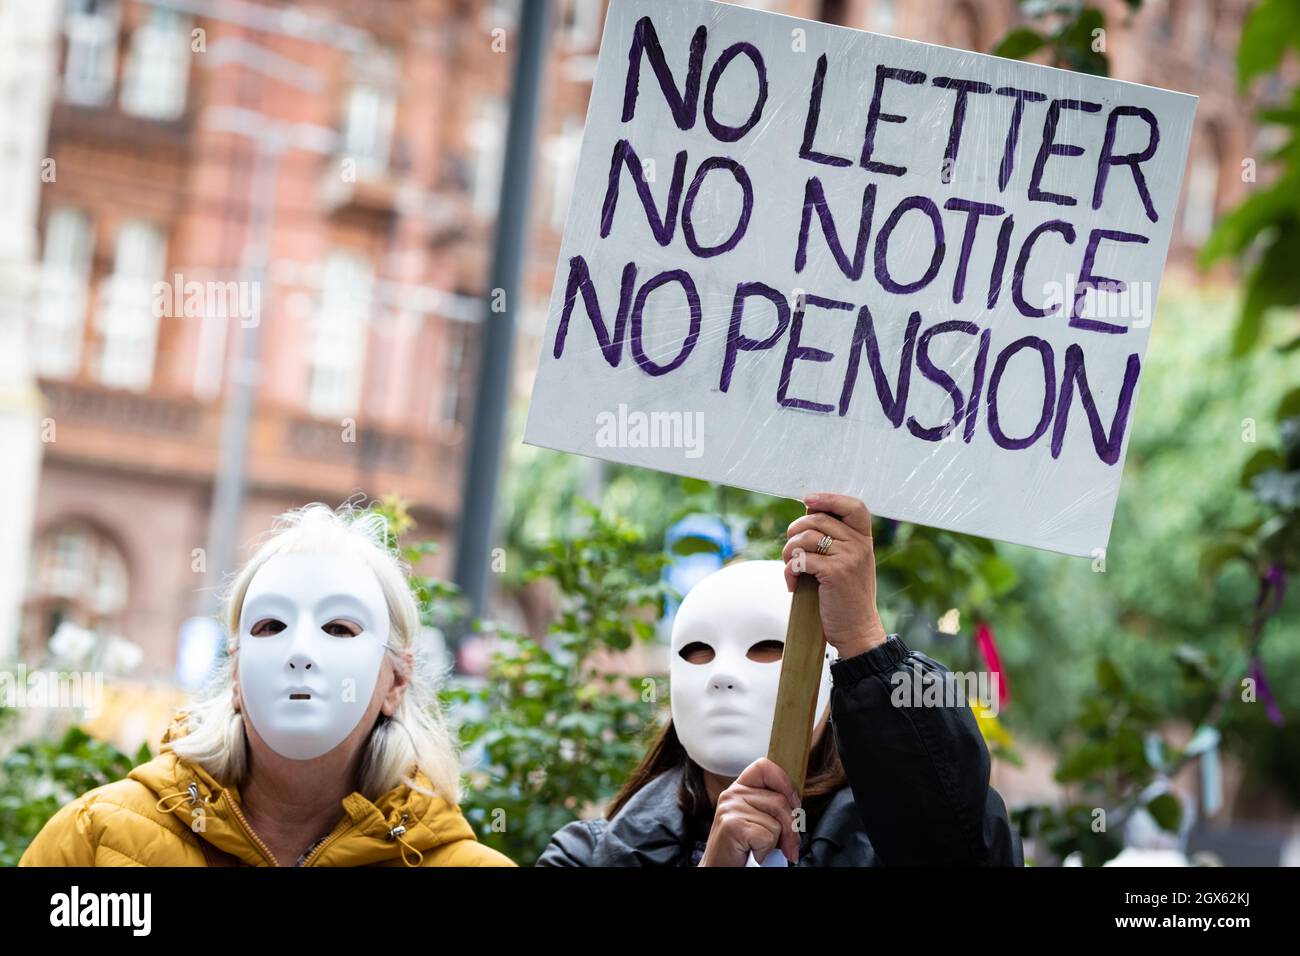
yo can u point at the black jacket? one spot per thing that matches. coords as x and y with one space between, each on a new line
918 789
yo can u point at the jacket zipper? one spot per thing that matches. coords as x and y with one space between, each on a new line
243 822
342 827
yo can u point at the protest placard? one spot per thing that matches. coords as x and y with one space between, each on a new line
804 257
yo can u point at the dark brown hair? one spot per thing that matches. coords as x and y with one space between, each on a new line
825 776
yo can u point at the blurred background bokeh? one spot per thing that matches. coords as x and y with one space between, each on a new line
316 185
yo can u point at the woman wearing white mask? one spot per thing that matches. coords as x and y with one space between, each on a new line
321 744
886 784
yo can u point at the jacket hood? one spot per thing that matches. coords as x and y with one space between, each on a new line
404 823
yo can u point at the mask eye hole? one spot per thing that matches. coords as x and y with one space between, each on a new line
341 628
765 652
696 652
267 627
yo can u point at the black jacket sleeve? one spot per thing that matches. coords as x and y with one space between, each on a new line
919 774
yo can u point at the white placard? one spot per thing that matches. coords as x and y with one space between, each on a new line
803 258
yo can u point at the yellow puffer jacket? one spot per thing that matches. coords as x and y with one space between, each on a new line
168 812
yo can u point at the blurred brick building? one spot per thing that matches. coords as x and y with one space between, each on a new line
376 265
376 270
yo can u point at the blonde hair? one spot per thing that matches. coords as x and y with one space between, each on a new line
414 739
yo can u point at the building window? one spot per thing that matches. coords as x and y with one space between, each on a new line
564 152
126 322
338 336
501 13
832 11
158 66
487 137
371 105
64 291
79 576
368 133
1196 26
1202 199
455 402
88 71
963 28
1172 24
580 23
884 16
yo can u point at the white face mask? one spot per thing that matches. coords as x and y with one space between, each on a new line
306 680
723 707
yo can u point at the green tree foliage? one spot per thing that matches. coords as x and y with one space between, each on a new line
1263 233
1184 631
1071 35
38 777
553 732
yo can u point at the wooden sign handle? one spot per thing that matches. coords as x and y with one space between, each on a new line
801 677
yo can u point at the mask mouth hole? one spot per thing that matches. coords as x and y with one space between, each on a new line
300 696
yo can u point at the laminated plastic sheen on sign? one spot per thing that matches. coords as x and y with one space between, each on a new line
802 257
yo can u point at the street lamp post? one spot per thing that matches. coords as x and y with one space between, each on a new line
272 139
482 472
